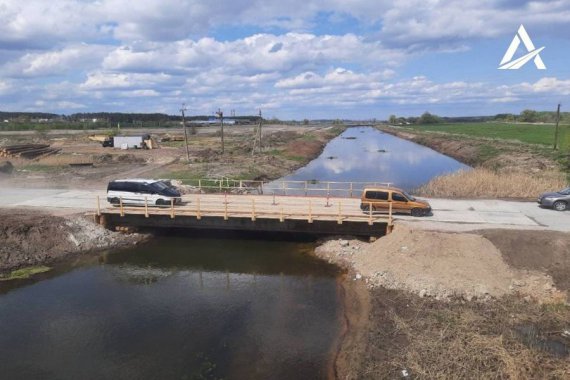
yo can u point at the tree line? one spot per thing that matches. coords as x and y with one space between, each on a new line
109 117
526 116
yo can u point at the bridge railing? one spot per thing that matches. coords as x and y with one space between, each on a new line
283 187
267 207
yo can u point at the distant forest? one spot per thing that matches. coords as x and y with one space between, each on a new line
110 117
526 116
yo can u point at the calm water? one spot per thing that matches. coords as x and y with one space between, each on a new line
177 308
364 154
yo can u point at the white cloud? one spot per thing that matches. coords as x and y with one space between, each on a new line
57 62
101 80
260 53
157 53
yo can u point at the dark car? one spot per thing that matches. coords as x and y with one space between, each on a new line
559 200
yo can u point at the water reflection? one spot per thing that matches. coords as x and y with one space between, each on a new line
364 154
177 308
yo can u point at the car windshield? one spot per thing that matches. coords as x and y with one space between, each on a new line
159 186
565 191
410 197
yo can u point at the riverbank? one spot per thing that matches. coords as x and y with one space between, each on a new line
82 163
475 305
500 166
32 238
38 238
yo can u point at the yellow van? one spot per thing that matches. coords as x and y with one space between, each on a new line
380 198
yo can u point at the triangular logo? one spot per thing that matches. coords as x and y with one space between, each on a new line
507 63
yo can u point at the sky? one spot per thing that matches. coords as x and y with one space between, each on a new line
294 59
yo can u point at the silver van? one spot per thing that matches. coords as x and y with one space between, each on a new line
136 191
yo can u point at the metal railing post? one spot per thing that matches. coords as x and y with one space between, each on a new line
370 213
146 207
226 210
121 206
253 210
310 219
306 187
281 217
339 221
98 206
351 190
171 208
200 184
283 186
389 224
198 214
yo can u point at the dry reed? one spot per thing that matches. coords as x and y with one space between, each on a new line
483 183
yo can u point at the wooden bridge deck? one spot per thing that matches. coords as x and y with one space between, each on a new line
263 212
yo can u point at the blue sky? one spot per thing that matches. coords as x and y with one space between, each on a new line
298 59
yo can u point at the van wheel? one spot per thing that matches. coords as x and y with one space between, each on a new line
366 208
417 212
160 202
560 206
114 201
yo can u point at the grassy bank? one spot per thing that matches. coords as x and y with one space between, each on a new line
512 161
24 273
283 152
507 338
542 134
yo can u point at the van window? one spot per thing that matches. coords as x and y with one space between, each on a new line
399 197
378 195
131 187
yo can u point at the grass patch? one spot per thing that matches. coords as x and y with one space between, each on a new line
308 137
23 273
40 168
187 177
296 158
487 152
527 133
173 144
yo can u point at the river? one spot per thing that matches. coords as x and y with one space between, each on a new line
200 306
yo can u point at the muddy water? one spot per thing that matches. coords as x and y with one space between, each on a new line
176 308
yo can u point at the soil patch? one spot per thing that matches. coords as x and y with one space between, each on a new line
440 265
30 237
548 251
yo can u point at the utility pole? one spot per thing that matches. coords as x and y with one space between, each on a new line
257 136
183 109
259 131
556 130
220 114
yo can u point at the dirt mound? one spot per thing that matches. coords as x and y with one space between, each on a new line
31 237
440 265
548 251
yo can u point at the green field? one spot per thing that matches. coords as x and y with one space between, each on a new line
527 133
